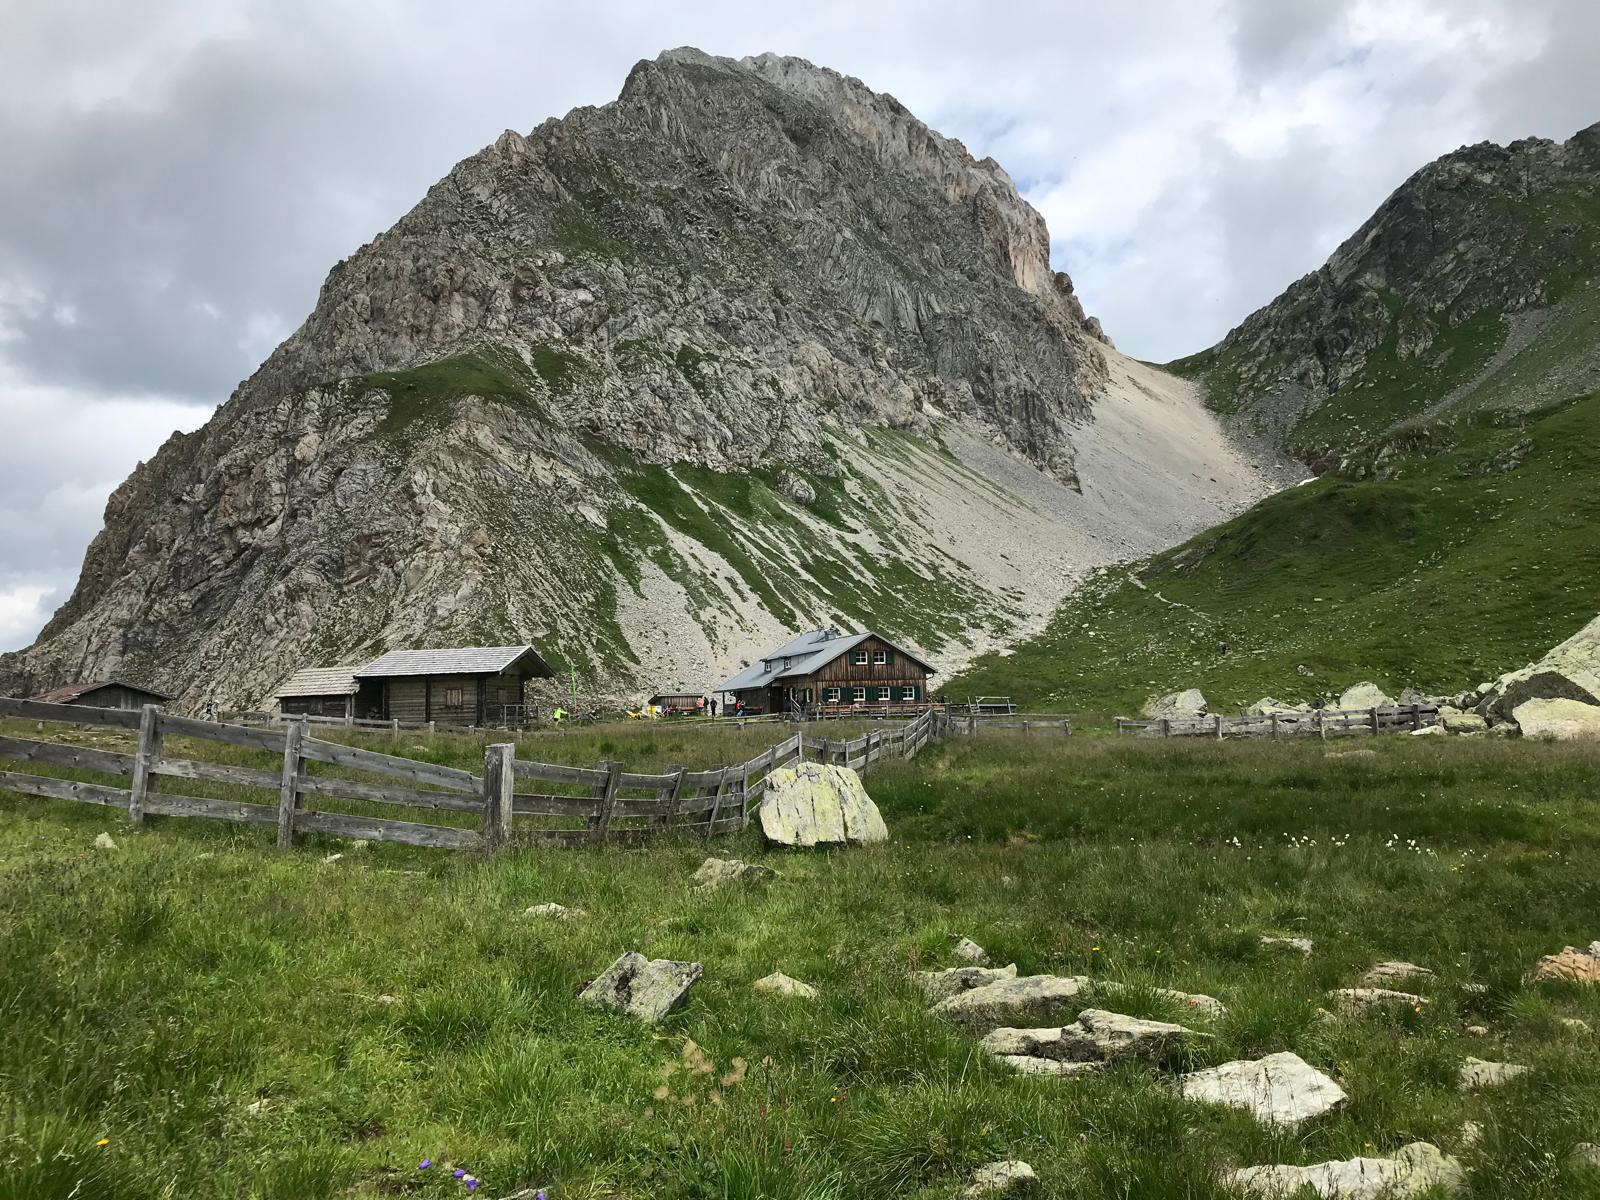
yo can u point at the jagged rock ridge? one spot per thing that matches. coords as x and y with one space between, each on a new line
748 348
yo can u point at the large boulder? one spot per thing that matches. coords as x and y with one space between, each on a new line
1365 695
1267 706
1561 719
810 804
1416 1169
952 981
1569 672
1280 1089
1029 1000
1572 965
1177 706
644 989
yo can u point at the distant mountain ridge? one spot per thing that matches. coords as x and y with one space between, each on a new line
749 350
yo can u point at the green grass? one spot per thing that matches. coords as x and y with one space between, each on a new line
422 398
237 1021
1442 576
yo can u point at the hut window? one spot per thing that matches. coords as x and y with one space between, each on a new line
908 693
885 694
831 695
880 658
859 695
858 657
453 697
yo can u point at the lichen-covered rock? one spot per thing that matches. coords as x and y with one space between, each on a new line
1366 999
1026 1000
555 912
644 989
939 985
1463 722
1096 1036
779 984
1384 973
1177 706
1416 1169
1572 965
715 872
1011 1177
1477 1073
1365 695
1280 1089
968 951
1303 945
810 804
1561 719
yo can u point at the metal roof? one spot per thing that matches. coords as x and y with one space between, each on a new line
67 693
465 660
321 681
805 655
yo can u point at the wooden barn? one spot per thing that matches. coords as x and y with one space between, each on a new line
472 685
329 692
111 693
826 671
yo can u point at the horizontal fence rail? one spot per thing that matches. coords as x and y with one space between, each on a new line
1323 723
514 801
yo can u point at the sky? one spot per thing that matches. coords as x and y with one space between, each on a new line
178 176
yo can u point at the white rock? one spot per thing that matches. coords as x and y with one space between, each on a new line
1573 1024
1559 719
1364 999
555 912
1365 695
1477 1031
810 804
1006 1178
645 989
332 858
779 984
105 842
1302 944
939 985
1177 706
715 872
1571 671
1028 1000
1414 1170
1028 1064
1383 973
1280 1089
1463 722
1096 1036
1476 1073
1470 1135
969 951
1429 731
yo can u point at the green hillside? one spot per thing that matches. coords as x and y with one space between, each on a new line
1476 550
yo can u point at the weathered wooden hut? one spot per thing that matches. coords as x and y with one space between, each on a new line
675 703
827 671
109 693
329 692
470 685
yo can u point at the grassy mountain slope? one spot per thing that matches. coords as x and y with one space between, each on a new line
1423 562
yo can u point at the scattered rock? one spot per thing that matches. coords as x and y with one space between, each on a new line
940 985
1477 1031
1429 731
810 804
1364 999
1463 722
1028 1064
645 989
1006 1178
1470 1135
1574 1025
256 1107
1365 695
105 842
1028 1000
1586 1154
1562 720
1096 1036
1363 753
715 872
1476 1073
969 951
1393 972
1409 696
1572 965
332 858
1272 942
779 984
1414 1170
1280 1089
1178 706
1267 706
556 912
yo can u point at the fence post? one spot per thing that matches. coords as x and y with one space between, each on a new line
144 764
430 730
1166 727
499 790
1218 717
608 800
1274 718
716 802
1066 727
289 795
1416 716
669 796
1372 715
1322 725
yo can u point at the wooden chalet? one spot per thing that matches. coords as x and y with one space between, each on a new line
472 685
329 692
674 703
110 693
828 672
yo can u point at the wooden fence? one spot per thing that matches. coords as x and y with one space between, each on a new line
1320 723
1048 724
558 804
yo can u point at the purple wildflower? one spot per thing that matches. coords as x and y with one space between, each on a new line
472 1184
539 1195
425 1164
457 1173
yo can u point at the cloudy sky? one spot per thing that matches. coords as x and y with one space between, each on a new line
179 175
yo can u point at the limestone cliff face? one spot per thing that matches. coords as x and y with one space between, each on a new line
1472 259
745 349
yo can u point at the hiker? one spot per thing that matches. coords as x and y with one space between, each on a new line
559 714
713 706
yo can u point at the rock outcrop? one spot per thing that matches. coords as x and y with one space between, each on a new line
1183 705
1096 1036
1571 671
612 379
810 804
1280 1089
1417 1169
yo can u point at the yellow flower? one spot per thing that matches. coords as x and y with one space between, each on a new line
103 1142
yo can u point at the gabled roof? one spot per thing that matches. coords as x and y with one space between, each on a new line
67 693
465 660
321 681
805 655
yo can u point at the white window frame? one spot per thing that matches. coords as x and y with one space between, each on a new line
880 658
858 695
908 693
885 694
830 695
858 658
